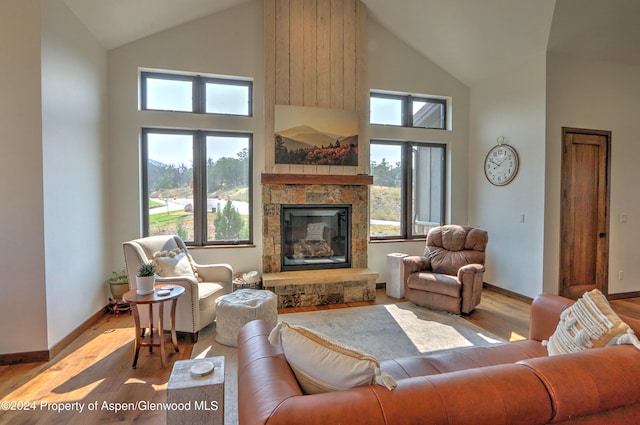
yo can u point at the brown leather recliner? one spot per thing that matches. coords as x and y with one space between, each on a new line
449 275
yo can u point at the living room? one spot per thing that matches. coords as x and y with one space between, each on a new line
73 128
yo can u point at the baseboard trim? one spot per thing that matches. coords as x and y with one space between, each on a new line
57 348
507 293
623 295
611 297
27 357
46 355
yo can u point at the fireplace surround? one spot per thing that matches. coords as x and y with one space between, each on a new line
312 287
276 195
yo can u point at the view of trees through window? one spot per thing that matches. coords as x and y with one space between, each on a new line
408 191
407 195
197 183
386 191
192 172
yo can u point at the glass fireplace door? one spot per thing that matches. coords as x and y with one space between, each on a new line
315 236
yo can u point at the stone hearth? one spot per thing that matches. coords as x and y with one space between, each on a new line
312 287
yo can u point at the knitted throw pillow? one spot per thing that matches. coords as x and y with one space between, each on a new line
589 323
172 263
322 365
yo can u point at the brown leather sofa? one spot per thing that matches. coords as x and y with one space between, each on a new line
512 383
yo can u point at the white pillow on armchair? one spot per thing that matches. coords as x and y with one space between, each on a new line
174 262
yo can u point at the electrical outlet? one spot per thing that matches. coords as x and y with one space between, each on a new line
620 275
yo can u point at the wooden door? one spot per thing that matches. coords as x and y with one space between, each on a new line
584 218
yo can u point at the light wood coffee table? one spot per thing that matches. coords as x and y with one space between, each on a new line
152 340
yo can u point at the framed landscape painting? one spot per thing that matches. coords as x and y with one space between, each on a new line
315 136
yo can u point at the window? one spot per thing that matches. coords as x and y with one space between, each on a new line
195 93
197 184
408 191
408 111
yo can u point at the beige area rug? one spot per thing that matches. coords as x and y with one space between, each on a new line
384 331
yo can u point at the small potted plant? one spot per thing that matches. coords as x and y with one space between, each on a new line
119 284
146 279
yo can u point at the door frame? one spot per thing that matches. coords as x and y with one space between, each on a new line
564 178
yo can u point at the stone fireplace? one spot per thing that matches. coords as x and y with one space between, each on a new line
276 195
312 286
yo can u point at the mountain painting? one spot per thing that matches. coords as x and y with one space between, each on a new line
315 136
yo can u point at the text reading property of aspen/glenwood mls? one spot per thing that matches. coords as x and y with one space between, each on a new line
79 407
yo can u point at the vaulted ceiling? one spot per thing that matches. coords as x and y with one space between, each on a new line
470 39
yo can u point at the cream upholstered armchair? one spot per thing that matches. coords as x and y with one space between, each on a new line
450 274
203 283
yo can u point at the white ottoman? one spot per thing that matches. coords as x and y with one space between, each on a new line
238 308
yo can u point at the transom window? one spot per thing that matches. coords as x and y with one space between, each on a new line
408 191
196 94
408 110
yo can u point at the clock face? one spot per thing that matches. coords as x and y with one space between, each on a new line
501 165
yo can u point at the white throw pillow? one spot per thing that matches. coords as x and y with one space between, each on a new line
171 263
590 322
323 365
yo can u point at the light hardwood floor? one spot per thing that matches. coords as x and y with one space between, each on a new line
96 367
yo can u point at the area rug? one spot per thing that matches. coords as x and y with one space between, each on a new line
384 331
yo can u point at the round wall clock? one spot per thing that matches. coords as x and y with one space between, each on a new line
501 164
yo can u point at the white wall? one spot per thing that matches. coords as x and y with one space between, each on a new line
226 43
512 105
23 325
74 116
602 96
394 66
53 116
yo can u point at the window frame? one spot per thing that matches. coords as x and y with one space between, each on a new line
406 192
199 182
406 113
199 90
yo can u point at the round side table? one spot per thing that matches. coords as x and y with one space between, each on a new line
157 297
